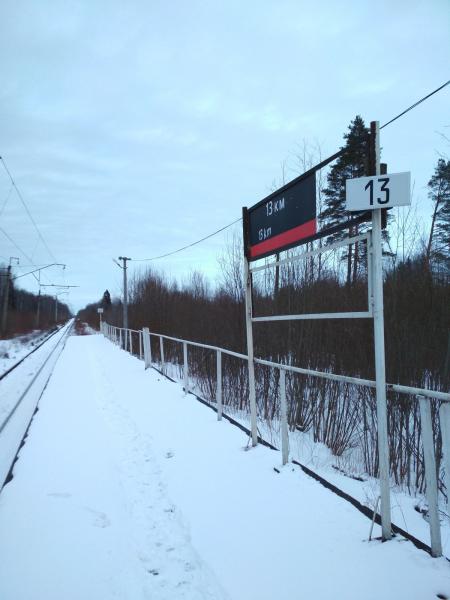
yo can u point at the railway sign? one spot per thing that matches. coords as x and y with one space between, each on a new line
282 219
378 191
100 311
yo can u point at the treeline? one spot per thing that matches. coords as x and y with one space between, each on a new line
342 416
26 311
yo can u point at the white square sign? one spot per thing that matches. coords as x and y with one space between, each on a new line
378 191
100 311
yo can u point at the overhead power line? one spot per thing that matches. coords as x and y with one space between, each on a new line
27 210
17 247
189 245
417 103
326 161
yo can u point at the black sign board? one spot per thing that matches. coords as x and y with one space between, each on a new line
281 220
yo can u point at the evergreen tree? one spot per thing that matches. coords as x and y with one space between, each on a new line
438 248
352 163
106 300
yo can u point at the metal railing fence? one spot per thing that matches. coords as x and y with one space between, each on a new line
148 346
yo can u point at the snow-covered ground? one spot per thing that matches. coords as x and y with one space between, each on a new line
127 488
15 414
13 349
343 472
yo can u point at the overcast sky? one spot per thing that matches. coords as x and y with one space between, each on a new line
137 127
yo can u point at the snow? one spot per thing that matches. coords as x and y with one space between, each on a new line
341 472
11 389
128 489
13 349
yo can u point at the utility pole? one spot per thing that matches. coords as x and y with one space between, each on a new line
125 291
6 286
65 287
123 266
56 304
7 278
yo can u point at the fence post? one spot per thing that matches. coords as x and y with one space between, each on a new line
185 368
130 334
140 345
120 337
161 348
251 363
284 421
147 348
444 418
219 384
430 476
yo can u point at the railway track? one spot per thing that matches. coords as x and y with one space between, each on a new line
19 404
19 362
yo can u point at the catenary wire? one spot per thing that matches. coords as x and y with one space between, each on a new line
189 245
27 210
6 200
17 247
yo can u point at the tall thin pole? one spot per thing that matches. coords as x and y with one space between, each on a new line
250 351
5 298
380 365
38 311
125 291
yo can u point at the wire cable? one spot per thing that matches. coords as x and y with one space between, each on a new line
27 210
6 200
17 247
334 156
417 103
189 245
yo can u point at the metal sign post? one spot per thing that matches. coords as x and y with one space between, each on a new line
375 193
250 351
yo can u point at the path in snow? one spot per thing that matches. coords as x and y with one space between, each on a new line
127 489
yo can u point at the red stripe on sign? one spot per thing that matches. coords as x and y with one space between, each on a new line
284 239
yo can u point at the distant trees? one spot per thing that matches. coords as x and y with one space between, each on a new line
23 308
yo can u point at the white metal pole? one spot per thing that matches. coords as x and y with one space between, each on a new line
219 384
250 351
161 348
131 341
185 368
147 352
120 337
430 476
283 416
444 418
380 366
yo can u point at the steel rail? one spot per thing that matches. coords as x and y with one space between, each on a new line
64 337
15 365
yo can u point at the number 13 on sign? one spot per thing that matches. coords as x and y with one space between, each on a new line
369 193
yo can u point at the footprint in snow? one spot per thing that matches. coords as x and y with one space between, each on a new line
100 519
59 495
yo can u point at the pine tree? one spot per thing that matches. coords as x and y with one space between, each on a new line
106 300
438 248
352 163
